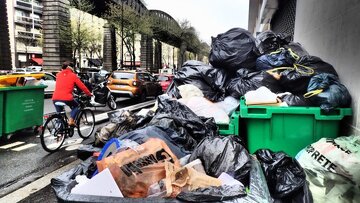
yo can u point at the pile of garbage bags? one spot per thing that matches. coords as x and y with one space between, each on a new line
173 152
240 63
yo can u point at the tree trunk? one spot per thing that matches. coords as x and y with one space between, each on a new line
74 56
133 50
79 53
182 56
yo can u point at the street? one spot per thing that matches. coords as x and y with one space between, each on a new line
24 161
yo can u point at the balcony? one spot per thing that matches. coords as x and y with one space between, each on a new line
38 9
29 6
23 5
27 35
28 21
23 20
38 23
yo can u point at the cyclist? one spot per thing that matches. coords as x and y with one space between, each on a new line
66 80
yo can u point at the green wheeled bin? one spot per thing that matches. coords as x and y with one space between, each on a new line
21 107
288 129
233 127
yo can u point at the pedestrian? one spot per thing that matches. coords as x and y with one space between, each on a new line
66 80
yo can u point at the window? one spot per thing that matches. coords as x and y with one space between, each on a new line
163 78
48 77
140 76
146 77
151 78
123 75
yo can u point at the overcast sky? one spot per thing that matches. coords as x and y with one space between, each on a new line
208 17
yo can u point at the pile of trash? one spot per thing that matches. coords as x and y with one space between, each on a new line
174 152
240 63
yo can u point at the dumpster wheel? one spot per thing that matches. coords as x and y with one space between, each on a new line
36 130
9 136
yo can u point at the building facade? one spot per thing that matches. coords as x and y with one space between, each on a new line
27 32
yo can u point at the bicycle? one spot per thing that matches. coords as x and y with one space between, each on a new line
56 128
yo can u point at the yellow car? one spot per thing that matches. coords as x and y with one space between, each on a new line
133 84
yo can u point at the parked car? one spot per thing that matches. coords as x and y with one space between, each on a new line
164 80
49 80
133 84
96 75
23 70
34 68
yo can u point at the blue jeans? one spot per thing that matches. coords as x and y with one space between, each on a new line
74 106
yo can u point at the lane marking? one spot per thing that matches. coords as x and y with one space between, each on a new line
24 147
11 145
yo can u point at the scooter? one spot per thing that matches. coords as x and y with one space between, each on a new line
102 96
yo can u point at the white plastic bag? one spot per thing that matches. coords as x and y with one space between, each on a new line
203 107
230 104
332 167
189 90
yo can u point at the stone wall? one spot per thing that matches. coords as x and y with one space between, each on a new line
56 34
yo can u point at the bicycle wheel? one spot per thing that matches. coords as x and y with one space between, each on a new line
112 103
85 123
53 134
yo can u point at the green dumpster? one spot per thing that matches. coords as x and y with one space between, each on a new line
288 129
21 107
233 127
1 111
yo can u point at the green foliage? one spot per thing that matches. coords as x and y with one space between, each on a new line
190 41
129 22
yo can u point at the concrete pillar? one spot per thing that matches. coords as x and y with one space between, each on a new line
5 53
157 57
56 34
146 52
109 48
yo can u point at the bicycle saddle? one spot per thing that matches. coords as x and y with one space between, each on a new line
60 104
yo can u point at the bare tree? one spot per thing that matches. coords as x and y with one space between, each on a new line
128 23
78 33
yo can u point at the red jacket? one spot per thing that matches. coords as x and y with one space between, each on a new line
65 83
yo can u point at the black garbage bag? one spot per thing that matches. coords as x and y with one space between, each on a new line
295 100
284 175
209 80
223 154
121 122
245 80
173 91
271 82
280 58
213 194
317 64
86 151
303 195
169 136
190 128
296 80
233 49
284 38
258 189
297 48
333 95
267 42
